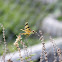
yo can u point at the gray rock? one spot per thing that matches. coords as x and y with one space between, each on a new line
35 50
52 26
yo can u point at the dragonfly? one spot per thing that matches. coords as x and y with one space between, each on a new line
27 30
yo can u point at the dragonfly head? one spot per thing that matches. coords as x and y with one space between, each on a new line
33 32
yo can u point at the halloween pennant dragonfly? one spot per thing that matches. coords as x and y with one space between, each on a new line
27 30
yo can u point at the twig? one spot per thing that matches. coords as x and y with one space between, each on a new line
17 45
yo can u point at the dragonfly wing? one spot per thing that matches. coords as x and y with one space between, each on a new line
27 28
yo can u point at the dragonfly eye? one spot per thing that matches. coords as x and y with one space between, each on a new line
33 31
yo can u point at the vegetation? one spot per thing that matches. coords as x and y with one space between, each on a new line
60 18
28 57
14 14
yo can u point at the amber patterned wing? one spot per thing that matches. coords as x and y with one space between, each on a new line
27 28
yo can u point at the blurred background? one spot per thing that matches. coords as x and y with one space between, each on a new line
44 15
